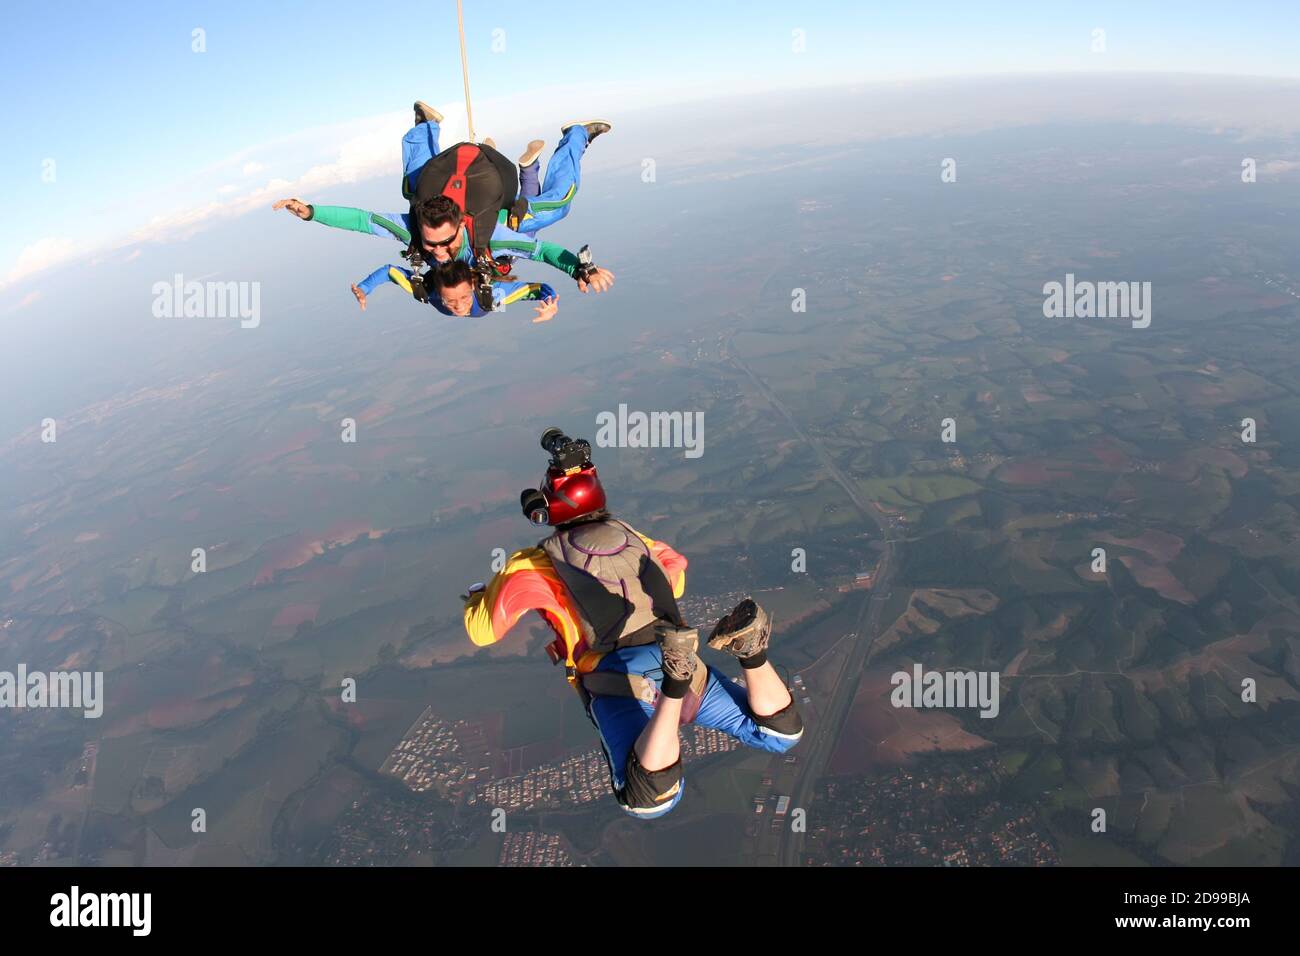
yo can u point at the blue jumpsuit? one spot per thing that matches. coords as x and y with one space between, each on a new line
545 207
620 720
504 292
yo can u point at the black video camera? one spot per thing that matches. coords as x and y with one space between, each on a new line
566 453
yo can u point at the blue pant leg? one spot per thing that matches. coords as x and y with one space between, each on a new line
620 720
529 187
563 176
419 145
725 707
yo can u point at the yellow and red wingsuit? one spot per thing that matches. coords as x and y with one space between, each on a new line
529 582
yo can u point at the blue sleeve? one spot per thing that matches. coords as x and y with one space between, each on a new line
506 241
506 292
377 278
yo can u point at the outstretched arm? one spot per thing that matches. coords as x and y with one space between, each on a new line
507 242
540 292
391 225
401 278
528 582
386 273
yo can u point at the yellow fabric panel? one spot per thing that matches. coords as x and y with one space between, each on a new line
395 275
519 293
528 583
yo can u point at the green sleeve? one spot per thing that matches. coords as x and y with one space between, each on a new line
359 220
557 256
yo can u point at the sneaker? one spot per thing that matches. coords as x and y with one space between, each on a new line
744 632
424 113
489 142
678 646
532 152
593 127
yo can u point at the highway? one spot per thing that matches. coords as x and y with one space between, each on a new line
814 751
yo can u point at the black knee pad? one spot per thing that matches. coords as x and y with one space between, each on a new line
785 721
646 789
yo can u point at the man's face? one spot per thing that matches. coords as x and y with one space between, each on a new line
459 299
440 242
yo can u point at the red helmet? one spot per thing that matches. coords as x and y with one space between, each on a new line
571 488
573 495
564 496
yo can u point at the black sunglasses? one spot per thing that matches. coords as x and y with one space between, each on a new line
445 242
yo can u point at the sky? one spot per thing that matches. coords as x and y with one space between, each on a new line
126 126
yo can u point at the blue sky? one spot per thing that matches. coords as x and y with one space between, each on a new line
135 121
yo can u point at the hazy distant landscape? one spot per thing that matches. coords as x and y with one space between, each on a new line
924 301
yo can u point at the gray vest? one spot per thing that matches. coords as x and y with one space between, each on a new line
614 580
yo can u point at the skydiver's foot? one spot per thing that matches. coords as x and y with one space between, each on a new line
744 633
593 127
490 142
678 646
424 113
532 152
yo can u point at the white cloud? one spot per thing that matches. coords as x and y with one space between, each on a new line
360 149
40 255
1279 167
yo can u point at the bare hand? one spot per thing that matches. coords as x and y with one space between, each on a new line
547 309
361 297
296 206
600 280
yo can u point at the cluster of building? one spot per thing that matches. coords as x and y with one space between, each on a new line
584 777
863 580
946 812
578 779
534 849
430 756
704 610
379 831
769 804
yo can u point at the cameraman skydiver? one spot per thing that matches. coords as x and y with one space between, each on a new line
453 285
609 593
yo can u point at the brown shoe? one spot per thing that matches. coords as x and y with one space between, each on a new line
532 152
424 113
678 646
744 632
593 127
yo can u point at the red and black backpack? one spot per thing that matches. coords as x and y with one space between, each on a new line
478 179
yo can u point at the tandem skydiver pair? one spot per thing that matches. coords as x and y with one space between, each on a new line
609 593
472 214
